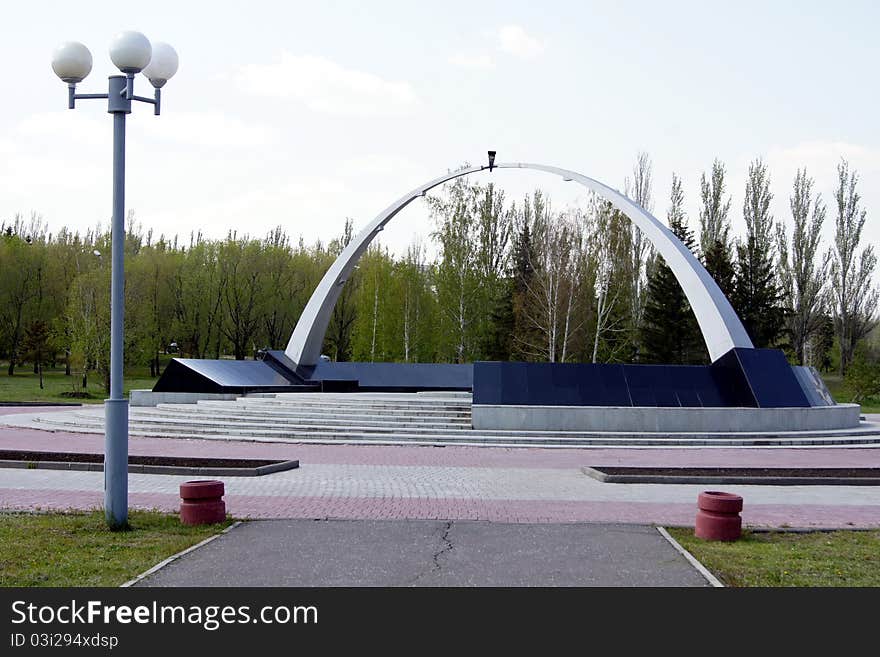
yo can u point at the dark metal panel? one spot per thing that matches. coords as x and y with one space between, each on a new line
217 376
770 378
743 377
402 377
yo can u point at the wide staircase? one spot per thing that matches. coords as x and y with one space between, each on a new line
417 418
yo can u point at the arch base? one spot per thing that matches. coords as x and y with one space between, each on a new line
742 378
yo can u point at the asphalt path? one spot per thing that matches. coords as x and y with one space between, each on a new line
431 553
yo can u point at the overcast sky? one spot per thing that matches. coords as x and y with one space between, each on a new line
301 114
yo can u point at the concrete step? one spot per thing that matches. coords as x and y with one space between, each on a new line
414 411
304 400
283 420
304 412
514 441
212 428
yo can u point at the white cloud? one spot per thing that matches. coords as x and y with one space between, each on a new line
514 40
481 62
377 165
325 86
822 157
70 127
207 129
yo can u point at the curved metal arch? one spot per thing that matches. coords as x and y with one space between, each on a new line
721 328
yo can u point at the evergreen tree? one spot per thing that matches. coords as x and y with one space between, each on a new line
670 333
757 298
523 273
502 322
494 226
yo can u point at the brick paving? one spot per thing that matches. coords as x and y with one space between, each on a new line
452 483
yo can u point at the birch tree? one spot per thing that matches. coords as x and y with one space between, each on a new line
608 245
551 292
412 288
456 273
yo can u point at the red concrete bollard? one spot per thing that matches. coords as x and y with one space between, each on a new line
202 502
718 516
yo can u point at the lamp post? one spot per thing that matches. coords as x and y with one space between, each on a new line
131 53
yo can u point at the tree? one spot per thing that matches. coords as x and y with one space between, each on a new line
283 286
148 279
756 296
609 270
88 316
863 375
820 347
802 273
372 339
854 298
198 300
523 273
242 290
715 229
670 333
411 285
494 226
551 294
37 346
639 190
338 341
21 264
456 277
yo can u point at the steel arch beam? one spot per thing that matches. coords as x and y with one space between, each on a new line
721 328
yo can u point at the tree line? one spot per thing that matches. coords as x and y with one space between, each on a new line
505 279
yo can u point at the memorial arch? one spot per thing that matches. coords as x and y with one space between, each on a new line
721 328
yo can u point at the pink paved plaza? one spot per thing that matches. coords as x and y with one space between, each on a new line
454 483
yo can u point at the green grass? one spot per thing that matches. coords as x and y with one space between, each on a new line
840 558
77 549
24 385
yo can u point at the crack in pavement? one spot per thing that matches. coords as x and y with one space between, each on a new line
444 539
445 546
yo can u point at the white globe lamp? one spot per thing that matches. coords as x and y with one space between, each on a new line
162 66
72 62
130 51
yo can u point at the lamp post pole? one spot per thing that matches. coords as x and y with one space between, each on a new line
132 53
116 408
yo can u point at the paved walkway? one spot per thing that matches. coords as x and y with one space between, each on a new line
453 483
425 553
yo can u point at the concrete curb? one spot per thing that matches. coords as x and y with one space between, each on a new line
732 479
713 581
155 469
175 557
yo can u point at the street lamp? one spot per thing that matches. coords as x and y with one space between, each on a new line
132 53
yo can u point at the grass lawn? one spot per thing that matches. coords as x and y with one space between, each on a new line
841 558
77 549
25 386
